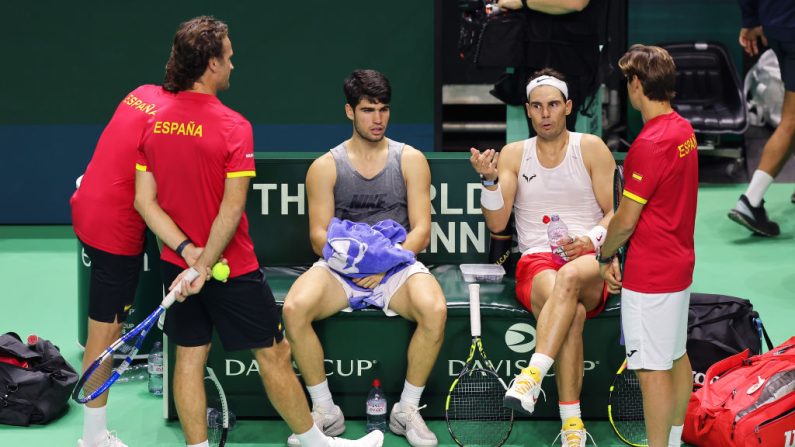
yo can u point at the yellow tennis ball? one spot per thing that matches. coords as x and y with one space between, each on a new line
220 271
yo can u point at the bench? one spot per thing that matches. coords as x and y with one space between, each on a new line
366 344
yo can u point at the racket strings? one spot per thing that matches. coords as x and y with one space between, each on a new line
627 408
97 378
476 414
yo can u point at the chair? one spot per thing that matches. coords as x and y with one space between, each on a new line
709 94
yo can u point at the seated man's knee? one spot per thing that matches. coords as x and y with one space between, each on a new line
296 310
568 277
432 314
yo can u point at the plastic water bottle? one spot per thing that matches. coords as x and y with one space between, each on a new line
156 369
376 408
558 234
215 418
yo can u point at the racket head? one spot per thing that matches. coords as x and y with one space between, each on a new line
474 411
216 399
625 408
100 375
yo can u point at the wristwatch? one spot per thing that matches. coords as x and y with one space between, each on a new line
485 182
602 260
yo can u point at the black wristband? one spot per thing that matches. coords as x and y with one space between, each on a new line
182 246
603 261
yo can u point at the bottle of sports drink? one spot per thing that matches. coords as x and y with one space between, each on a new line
558 234
155 367
376 408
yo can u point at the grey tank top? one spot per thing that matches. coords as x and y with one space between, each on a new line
359 199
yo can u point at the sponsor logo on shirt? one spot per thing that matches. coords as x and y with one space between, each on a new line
189 129
136 103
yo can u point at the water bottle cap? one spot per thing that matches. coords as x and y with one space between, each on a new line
376 383
554 217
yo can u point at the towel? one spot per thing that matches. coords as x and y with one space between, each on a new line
356 250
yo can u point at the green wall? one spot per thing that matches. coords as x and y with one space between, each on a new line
68 64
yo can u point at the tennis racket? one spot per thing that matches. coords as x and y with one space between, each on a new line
625 408
217 410
473 409
625 401
96 380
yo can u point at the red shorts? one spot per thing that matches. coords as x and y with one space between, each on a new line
531 265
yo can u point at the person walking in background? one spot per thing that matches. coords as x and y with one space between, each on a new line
771 22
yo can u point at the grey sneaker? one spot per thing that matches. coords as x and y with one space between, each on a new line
110 440
405 420
373 439
753 217
331 422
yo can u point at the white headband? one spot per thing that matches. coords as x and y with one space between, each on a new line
550 81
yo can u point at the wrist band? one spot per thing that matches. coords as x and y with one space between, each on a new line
597 236
491 200
182 246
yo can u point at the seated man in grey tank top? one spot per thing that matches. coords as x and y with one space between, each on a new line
571 175
367 179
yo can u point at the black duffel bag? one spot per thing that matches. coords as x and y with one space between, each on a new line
719 326
35 381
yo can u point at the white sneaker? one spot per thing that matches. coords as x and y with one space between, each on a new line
109 440
524 391
573 434
405 420
373 439
330 421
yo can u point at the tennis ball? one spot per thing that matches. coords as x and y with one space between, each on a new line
220 271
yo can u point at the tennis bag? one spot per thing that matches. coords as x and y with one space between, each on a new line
720 326
35 381
746 401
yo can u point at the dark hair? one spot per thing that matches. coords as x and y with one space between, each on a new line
655 69
367 84
196 42
546 72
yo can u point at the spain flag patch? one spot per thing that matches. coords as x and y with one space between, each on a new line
637 176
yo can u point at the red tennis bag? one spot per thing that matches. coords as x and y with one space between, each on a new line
746 401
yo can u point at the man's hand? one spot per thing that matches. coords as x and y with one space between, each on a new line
611 273
577 247
370 282
191 254
485 163
749 37
189 288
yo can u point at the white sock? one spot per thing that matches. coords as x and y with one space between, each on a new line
411 394
675 438
760 181
201 444
321 395
569 410
312 438
95 424
542 362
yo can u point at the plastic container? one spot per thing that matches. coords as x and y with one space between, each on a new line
376 408
155 367
558 234
482 272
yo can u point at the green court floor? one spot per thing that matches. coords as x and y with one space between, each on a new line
38 295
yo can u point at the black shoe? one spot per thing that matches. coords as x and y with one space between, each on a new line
793 197
753 218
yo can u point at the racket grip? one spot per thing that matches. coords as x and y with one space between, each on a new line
171 297
474 309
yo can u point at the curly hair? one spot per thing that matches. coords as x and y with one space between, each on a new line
196 42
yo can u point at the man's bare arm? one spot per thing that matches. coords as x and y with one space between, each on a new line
320 180
417 175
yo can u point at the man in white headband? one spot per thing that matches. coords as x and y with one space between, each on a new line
568 174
